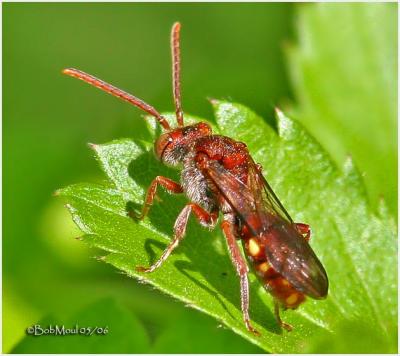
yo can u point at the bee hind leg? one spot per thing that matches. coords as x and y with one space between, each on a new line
241 267
281 323
305 230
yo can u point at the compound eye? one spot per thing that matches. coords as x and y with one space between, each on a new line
161 144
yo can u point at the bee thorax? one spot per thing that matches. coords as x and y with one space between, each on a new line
196 186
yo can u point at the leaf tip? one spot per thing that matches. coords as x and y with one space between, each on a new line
214 102
69 207
348 166
383 209
100 258
278 112
350 169
285 125
92 146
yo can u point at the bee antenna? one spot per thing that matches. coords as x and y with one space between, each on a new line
108 88
176 71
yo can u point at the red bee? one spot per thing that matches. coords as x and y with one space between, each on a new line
219 175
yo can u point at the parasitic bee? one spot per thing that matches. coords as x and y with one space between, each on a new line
219 177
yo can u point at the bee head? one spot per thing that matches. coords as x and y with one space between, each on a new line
171 147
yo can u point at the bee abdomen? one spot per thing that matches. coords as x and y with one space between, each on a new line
280 288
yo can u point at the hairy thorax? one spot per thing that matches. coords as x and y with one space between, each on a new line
200 189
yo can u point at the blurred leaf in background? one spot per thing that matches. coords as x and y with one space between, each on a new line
344 74
48 120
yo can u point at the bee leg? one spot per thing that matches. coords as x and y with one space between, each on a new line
281 323
241 267
204 217
167 183
304 229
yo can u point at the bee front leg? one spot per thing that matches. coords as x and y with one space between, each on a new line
241 267
204 217
167 183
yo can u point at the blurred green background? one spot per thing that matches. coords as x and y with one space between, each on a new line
231 51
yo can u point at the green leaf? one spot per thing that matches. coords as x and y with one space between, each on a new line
357 247
344 74
125 334
196 333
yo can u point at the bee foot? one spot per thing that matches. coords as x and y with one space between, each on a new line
135 216
286 326
143 269
251 329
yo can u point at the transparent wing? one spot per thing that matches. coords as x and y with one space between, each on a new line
254 201
264 195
